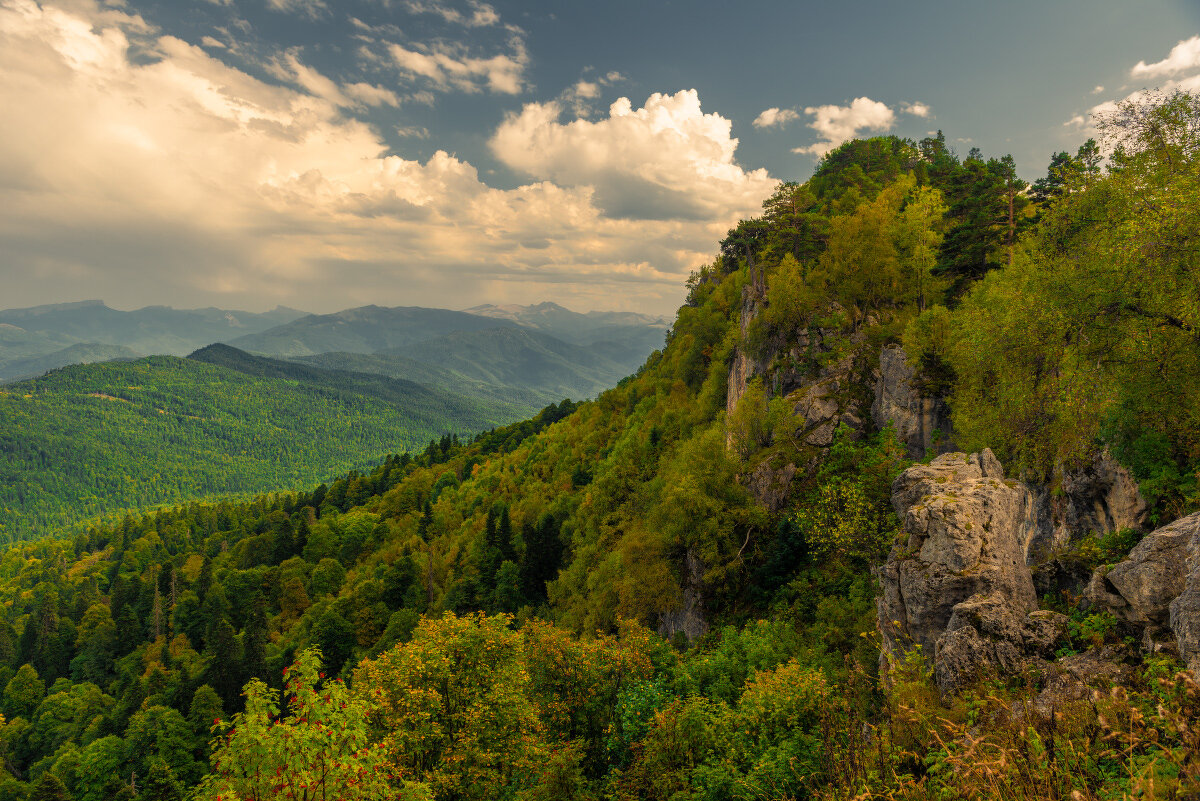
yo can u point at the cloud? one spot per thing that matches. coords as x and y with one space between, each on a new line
480 15
1098 89
580 97
142 162
209 41
775 117
1086 124
448 65
312 9
289 68
1183 56
666 160
370 95
413 131
838 124
586 90
916 109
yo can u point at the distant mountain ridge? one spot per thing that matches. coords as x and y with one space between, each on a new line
409 396
79 353
520 357
508 357
530 355
50 330
570 326
366 329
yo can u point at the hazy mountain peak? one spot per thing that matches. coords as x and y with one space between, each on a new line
50 308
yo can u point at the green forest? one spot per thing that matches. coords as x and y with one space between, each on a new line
498 616
87 440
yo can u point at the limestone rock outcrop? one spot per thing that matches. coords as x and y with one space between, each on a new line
744 367
1157 586
921 423
959 587
1100 497
770 486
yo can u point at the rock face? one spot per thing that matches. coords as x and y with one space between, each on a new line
689 617
922 424
1100 497
1158 585
770 486
959 586
743 368
824 388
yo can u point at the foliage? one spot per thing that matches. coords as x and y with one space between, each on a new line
452 704
321 748
1094 329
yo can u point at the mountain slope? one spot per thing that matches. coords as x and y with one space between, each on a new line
81 353
518 357
415 398
88 439
395 365
569 326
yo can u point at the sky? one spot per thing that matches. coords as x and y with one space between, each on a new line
325 154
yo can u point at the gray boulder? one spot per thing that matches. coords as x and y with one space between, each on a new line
1158 585
959 587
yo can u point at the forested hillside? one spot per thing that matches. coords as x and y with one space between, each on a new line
670 592
90 439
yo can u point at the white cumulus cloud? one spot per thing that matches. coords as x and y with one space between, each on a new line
838 124
916 109
775 116
1183 56
666 160
307 8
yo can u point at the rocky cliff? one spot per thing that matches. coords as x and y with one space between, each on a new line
825 374
921 423
978 548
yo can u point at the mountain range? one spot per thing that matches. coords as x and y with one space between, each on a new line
523 355
296 398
